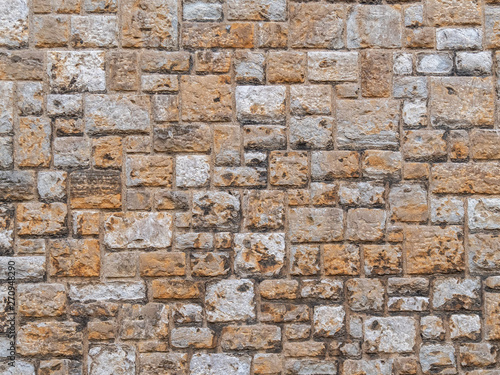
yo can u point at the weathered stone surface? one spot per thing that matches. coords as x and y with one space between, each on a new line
368 366
216 210
367 123
390 335
484 253
332 66
374 26
492 316
484 213
382 259
213 35
201 11
456 178
192 170
260 104
14 24
16 185
72 152
74 258
408 203
450 108
261 254
149 170
41 218
116 114
230 300
185 138
288 169
111 358
341 259
110 291
153 25
32 148
438 358
328 320
41 300
309 28
71 71
365 294
316 224
477 355
456 294
27 268
138 230
457 12
263 210
433 249
257 337
364 224
49 338
94 31
219 363
105 188
206 98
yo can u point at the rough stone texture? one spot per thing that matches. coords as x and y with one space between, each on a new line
268 187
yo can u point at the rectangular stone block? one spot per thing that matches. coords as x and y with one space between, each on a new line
17 185
364 19
216 35
49 338
148 24
109 291
138 230
206 98
149 170
316 224
116 114
260 104
32 147
71 71
315 25
451 103
332 66
434 249
74 258
458 178
95 189
14 26
37 219
368 123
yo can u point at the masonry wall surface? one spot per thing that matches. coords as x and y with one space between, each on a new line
236 187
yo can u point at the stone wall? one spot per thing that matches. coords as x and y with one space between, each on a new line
236 187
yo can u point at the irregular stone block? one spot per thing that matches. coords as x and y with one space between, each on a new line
341 259
216 210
